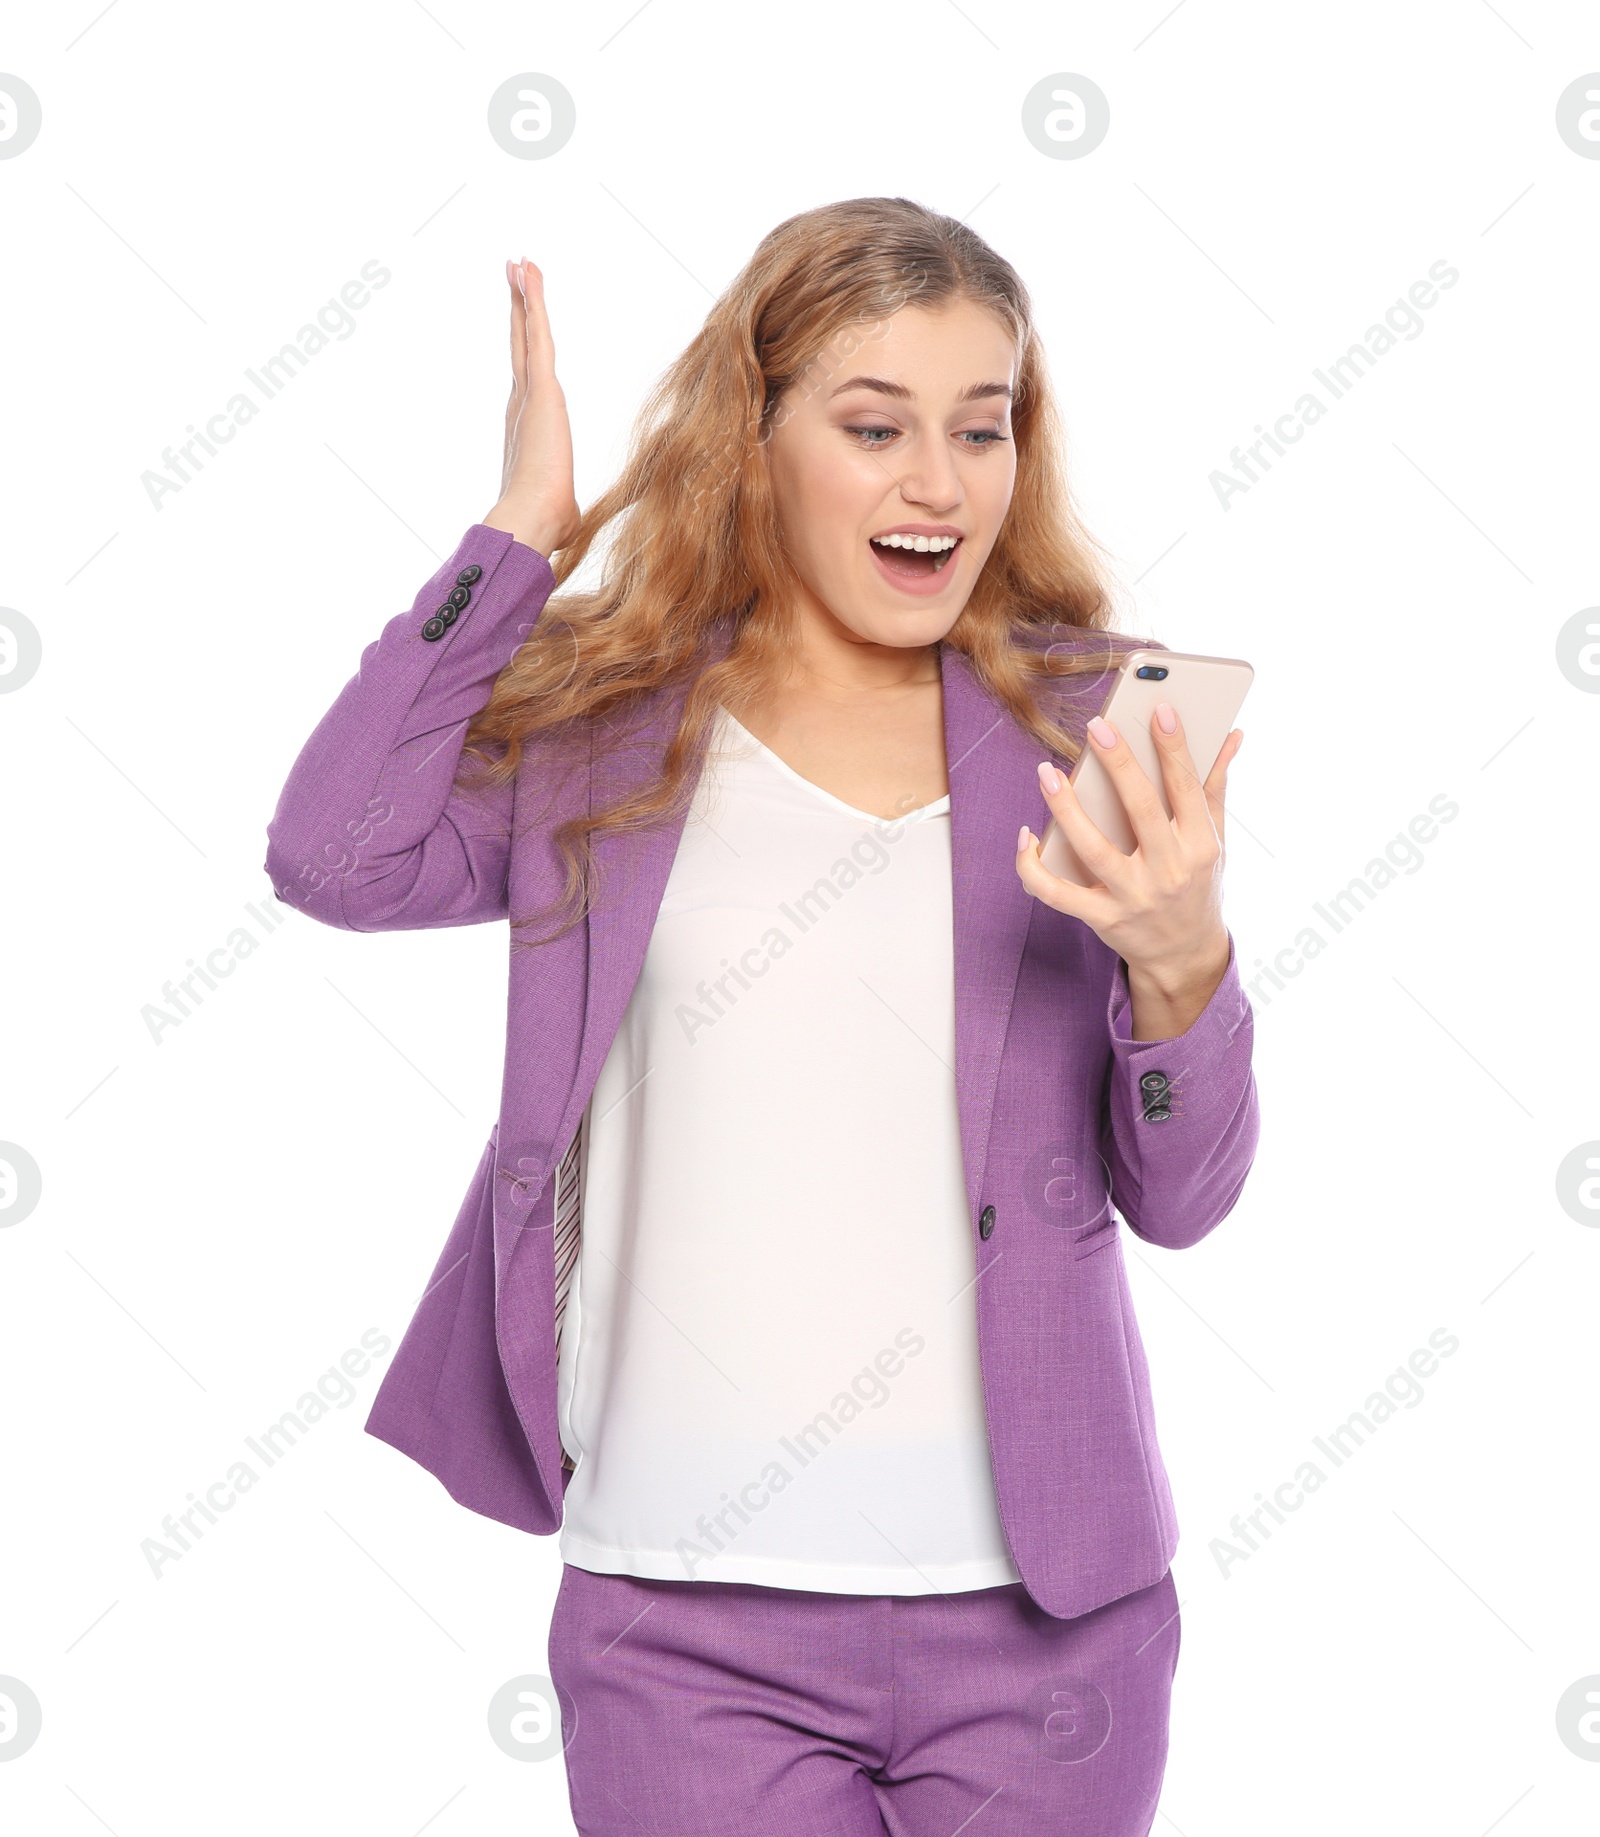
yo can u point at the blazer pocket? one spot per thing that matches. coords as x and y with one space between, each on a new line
1096 1236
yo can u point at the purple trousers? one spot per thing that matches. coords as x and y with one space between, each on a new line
691 1708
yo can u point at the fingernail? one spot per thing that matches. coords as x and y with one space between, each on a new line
1049 777
1167 715
1024 837
1105 734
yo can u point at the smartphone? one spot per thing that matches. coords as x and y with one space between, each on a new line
1207 692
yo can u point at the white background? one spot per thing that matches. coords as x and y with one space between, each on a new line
226 1212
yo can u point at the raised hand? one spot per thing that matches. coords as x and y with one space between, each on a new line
537 502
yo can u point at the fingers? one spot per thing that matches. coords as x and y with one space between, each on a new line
1152 827
1185 793
533 352
519 328
1216 785
540 346
1086 903
1098 853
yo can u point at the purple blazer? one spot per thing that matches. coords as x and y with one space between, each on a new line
1066 1121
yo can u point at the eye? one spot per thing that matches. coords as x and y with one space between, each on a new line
984 436
862 433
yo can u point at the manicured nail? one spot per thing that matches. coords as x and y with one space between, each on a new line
1167 715
1105 734
1024 837
1049 777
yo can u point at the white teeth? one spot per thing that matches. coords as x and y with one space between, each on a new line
922 544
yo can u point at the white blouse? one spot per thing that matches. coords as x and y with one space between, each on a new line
768 1362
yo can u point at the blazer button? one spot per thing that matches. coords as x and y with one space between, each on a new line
458 597
469 574
1153 1082
1157 1113
447 615
986 1223
435 628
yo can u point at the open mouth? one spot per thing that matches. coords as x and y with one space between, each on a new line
915 557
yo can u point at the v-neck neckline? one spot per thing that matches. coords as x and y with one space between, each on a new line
938 807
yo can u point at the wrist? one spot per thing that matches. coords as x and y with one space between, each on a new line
1180 979
528 528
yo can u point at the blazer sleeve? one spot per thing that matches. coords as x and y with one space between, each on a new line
1181 1119
370 832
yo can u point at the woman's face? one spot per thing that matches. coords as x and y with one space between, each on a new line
907 438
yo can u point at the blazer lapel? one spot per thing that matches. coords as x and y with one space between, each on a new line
634 867
994 790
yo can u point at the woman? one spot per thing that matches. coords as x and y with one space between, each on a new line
789 1288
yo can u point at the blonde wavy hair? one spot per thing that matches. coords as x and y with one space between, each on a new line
692 541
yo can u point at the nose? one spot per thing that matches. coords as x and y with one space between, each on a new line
929 479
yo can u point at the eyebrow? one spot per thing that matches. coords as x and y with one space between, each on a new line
877 383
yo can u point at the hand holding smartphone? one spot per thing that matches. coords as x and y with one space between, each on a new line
1207 692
